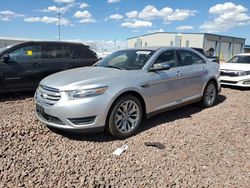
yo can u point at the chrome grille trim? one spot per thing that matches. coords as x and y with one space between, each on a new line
47 96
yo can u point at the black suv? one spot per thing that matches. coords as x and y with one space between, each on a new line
22 66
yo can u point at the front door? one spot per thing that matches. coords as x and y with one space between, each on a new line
164 88
20 72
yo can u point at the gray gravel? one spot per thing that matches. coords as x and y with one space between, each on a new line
204 148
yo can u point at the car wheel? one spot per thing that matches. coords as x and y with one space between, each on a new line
125 117
209 95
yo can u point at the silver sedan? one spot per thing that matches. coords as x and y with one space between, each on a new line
120 90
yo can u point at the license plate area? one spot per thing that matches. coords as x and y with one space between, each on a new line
39 109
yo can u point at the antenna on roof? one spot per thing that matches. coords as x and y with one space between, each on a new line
59 24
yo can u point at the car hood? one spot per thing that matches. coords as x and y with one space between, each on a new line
235 66
87 77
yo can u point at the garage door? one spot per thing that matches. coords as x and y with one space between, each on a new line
225 51
210 44
237 48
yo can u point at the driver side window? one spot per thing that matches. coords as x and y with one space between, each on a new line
167 57
26 53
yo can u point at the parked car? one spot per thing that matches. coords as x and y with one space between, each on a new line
211 58
24 65
236 71
124 87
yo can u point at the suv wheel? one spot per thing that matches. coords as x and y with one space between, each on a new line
125 117
209 95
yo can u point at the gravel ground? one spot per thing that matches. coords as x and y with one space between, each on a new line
204 148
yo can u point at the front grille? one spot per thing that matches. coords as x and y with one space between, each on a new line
228 73
228 82
47 96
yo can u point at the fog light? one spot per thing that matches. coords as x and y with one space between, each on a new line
82 121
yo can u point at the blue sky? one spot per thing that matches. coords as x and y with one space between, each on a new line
106 20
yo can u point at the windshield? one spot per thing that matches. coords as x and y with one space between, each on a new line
239 59
126 59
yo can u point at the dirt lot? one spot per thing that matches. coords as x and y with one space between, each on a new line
204 148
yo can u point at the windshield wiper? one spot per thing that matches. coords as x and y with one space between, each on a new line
116 67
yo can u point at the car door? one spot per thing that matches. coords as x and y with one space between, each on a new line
20 71
164 88
52 59
83 56
193 70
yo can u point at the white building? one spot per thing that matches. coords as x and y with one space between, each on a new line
222 46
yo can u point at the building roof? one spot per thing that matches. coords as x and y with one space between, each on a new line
183 33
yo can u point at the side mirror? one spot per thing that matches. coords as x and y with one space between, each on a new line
160 66
5 58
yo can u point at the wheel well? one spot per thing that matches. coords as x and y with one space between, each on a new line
215 82
134 93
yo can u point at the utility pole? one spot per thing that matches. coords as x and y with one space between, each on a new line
59 25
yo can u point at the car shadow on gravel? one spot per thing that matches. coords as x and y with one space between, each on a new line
178 113
16 96
166 117
237 88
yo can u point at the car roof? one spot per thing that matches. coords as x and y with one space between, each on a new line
49 42
160 47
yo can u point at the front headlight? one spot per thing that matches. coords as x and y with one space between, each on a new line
84 93
243 73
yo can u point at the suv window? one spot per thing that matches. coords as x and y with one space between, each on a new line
189 58
54 51
167 57
26 53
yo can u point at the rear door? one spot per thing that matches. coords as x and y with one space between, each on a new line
21 71
52 59
83 55
194 73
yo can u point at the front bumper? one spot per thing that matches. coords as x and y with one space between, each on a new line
88 114
241 81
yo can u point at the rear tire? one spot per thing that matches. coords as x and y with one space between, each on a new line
125 117
209 95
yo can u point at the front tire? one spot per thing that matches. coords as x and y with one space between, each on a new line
125 117
210 95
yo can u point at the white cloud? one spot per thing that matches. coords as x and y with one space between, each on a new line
47 20
155 31
84 16
87 20
150 12
137 24
226 16
132 14
7 15
64 1
58 9
179 15
184 27
84 5
116 17
113 1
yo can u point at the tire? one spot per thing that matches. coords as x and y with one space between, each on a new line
209 95
125 117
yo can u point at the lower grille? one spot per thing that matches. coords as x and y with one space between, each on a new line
49 118
228 82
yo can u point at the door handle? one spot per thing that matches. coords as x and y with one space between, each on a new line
178 73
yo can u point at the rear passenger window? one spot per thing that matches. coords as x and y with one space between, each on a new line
26 53
167 57
54 51
189 58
